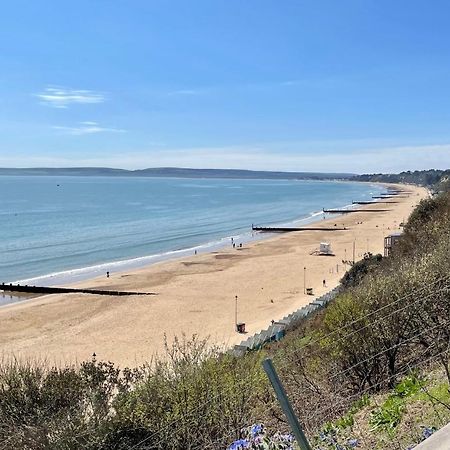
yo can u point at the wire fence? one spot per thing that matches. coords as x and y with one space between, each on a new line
425 342
274 332
328 412
370 324
321 404
347 399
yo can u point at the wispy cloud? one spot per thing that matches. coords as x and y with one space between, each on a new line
270 85
87 128
186 92
58 97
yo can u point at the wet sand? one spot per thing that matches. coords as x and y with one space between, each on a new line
196 295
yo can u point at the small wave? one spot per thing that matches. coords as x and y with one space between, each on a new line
95 270
121 265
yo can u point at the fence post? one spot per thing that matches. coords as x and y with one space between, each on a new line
285 405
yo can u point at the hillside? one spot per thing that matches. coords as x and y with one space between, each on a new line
173 172
436 179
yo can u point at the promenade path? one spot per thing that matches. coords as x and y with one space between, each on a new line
438 441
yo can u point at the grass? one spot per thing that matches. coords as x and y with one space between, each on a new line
399 419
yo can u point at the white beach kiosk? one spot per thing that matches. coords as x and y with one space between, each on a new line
325 249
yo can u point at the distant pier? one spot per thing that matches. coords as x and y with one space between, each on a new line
61 290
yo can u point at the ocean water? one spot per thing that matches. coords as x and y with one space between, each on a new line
59 229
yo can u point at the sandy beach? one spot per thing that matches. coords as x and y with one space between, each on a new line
196 295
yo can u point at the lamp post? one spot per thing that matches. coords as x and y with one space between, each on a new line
304 280
235 312
354 244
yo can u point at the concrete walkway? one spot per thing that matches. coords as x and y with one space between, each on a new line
437 441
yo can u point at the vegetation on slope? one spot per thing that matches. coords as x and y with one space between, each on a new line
439 180
96 406
395 318
369 370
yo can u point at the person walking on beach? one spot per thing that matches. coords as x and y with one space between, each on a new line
107 274
324 283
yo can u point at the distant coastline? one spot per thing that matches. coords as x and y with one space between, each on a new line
175 172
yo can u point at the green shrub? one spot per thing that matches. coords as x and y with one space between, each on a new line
388 415
360 269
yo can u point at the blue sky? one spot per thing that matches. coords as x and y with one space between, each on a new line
354 86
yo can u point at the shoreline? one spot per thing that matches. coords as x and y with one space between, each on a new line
84 274
195 294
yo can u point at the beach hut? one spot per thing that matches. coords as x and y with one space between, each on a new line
390 241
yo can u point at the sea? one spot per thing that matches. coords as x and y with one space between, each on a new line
55 230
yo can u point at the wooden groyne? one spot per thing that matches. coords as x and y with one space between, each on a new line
61 290
372 202
347 211
383 196
289 229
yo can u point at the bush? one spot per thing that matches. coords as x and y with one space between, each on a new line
392 314
195 394
360 269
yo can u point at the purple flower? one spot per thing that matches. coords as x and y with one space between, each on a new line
286 437
239 444
353 443
427 432
256 429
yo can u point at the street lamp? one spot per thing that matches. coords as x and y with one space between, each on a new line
235 311
304 280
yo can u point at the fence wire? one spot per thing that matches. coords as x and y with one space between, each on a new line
217 444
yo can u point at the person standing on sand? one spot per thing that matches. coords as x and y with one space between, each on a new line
107 274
